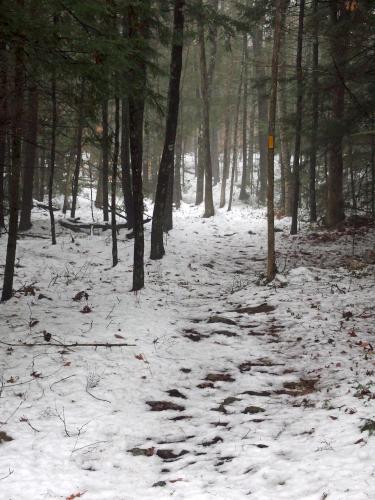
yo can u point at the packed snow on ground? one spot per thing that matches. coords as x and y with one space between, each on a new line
228 388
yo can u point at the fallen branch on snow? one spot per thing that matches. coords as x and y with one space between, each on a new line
75 344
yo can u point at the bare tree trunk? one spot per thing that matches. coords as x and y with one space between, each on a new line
125 164
31 135
251 147
226 159
287 187
105 164
78 150
235 139
53 153
138 28
338 49
166 169
17 122
271 260
298 130
315 117
3 123
209 209
200 169
262 112
116 150
243 193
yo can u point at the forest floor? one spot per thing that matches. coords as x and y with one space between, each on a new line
229 389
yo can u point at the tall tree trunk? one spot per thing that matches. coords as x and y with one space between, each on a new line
287 187
3 123
200 168
271 260
167 160
78 150
105 164
30 151
138 30
209 209
125 164
315 115
339 35
226 159
17 122
53 154
235 139
251 146
298 129
42 175
116 150
262 112
68 183
284 151
243 194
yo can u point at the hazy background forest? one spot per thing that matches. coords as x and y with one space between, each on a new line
217 158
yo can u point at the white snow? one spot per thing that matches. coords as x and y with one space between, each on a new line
74 414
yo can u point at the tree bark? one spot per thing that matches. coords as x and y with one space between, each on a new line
53 153
243 193
78 150
262 113
339 35
138 30
315 115
298 129
30 153
235 139
105 163
271 260
116 150
209 209
126 180
3 123
17 122
166 169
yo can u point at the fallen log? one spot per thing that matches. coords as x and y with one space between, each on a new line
77 226
44 206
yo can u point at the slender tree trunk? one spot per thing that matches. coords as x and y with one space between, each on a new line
30 147
271 259
262 113
226 159
284 139
53 154
200 169
338 49
17 122
3 123
105 164
298 130
209 209
235 140
116 150
177 194
166 168
243 193
125 164
78 150
315 117
68 185
42 176
251 147
138 30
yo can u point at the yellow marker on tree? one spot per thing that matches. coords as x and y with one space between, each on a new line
271 142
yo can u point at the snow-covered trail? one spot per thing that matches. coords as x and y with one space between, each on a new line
267 386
